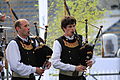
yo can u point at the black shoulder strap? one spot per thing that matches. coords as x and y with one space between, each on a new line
60 39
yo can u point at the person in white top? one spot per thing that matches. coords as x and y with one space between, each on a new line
20 54
67 56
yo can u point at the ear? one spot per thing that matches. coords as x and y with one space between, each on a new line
17 28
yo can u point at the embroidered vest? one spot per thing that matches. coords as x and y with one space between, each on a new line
70 50
26 51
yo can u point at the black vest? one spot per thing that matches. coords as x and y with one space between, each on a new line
26 51
71 50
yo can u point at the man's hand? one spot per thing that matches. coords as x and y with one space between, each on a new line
47 65
89 63
80 68
39 71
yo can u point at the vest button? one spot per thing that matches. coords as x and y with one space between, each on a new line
69 51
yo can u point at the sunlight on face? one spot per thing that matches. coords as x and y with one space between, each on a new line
24 29
69 30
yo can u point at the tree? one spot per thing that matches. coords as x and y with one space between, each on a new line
80 9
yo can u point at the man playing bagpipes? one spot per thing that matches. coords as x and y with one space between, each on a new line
69 54
21 53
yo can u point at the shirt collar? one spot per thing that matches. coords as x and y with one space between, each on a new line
70 38
23 38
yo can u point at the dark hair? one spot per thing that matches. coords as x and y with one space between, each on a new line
67 20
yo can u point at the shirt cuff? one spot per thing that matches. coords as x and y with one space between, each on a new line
72 67
34 69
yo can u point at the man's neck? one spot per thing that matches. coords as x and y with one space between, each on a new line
23 38
69 37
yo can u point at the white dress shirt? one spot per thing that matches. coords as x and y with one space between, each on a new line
13 57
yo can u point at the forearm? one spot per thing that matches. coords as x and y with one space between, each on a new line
22 69
62 66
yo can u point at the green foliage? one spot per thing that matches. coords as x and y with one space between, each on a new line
80 9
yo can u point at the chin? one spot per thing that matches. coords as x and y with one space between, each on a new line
71 35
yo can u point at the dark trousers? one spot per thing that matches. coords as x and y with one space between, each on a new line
64 77
18 78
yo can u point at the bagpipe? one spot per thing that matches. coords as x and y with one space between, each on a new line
42 52
86 50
